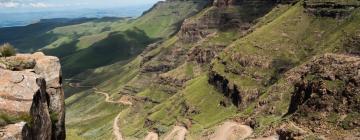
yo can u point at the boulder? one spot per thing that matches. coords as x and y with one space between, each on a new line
32 95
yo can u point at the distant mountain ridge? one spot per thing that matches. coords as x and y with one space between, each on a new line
23 18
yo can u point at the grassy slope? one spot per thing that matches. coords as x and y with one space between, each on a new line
290 35
166 114
293 37
269 35
113 77
81 43
81 48
35 36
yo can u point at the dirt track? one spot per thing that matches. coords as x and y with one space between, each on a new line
152 136
178 133
232 131
116 128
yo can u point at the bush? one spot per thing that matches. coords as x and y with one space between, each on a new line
352 43
7 50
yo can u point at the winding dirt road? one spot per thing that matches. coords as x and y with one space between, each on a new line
77 85
116 128
275 137
152 136
108 98
232 131
178 133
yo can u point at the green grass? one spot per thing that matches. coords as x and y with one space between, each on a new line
117 47
198 96
11 119
85 107
293 36
284 38
91 117
153 94
206 100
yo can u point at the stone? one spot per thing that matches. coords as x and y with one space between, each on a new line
33 96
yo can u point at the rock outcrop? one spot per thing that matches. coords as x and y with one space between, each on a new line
31 98
326 95
223 85
330 8
220 16
225 3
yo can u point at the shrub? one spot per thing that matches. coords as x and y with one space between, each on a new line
7 50
352 43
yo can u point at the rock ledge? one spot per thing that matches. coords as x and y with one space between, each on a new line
31 98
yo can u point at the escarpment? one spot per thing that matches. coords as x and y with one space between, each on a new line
329 8
323 99
31 98
230 90
221 16
327 93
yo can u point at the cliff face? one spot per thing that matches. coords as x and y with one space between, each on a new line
221 16
328 8
324 99
326 94
31 98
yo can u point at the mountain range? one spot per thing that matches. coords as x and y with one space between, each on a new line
208 69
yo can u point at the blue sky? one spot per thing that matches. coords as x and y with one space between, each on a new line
11 5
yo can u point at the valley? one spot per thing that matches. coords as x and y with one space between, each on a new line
209 70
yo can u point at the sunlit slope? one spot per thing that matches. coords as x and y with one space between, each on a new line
35 36
125 40
114 77
192 84
256 65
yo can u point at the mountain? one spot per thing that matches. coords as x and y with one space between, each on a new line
82 41
215 69
277 67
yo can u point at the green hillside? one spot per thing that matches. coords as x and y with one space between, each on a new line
287 69
175 83
35 36
92 39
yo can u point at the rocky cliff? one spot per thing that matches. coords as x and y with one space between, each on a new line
31 98
221 16
324 99
329 8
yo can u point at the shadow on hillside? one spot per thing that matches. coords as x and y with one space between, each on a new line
35 36
118 46
63 50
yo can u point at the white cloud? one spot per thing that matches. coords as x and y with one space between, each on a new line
40 5
9 4
27 4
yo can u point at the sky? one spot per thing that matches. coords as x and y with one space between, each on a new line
32 5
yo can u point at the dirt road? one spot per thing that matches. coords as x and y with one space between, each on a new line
108 99
232 131
152 136
178 133
116 128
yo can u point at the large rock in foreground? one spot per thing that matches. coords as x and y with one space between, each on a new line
31 98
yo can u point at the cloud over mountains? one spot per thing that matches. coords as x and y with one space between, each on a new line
12 4
42 4
25 4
